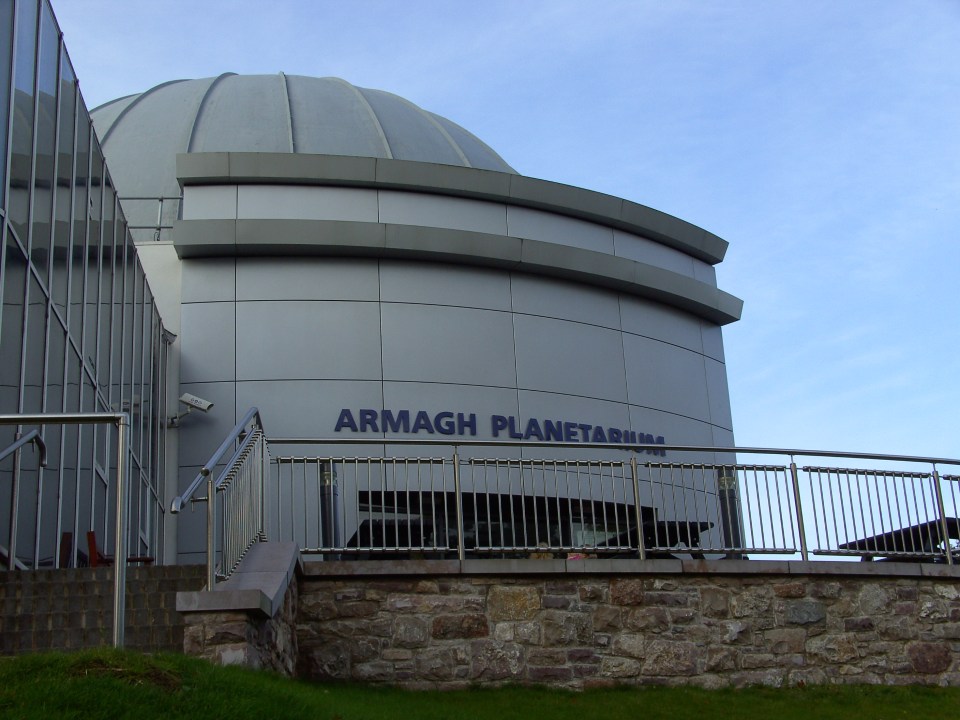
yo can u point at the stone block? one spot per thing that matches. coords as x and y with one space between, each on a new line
549 674
606 618
666 657
714 603
649 619
928 658
410 632
626 591
629 645
859 624
785 640
528 633
619 667
513 602
495 661
560 628
449 627
790 590
583 656
804 612
436 664
546 656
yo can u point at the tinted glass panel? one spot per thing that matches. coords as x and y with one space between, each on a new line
6 45
44 176
22 144
63 214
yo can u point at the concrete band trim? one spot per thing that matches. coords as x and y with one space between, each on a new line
344 171
227 238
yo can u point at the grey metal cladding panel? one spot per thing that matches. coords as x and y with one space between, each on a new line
566 408
712 341
207 342
270 278
306 408
553 228
432 343
441 244
577 201
675 429
201 433
666 377
567 357
444 179
641 249
440 284
313 340
329 118
309 237
675 232
284 202
441 397
410 133
209 202
208 280
243 112
535 295
105 115
719 393
479 154
282 168
205 238
660 322
403 208
146 130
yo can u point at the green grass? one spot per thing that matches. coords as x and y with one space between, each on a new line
111 684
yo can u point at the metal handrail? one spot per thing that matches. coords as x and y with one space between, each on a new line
33 436
246 431
611 446
785 480
239 431
122 422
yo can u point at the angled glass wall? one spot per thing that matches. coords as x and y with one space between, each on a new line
79 330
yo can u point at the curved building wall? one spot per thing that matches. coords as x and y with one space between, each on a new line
310 300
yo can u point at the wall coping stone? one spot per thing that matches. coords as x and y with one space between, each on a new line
257 586
625 566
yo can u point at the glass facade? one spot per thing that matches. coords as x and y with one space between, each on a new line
79 329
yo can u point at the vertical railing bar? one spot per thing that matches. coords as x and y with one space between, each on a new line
795 481
461 551
944 529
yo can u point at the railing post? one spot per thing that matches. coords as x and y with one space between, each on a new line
795 479
944 530
635 476
122 534
459 503
14 503
211 532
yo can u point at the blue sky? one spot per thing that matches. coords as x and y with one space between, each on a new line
821 139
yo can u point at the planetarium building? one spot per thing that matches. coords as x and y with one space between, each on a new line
358 267
380 284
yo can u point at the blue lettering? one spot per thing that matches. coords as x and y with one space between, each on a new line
598 435
399 424
615 435
512 424
444 423
553 431
661 441
497 423
463 423
533 430
422 422
586 431
570 432
368 420
345 421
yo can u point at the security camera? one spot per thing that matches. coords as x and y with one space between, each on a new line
195 403
191 403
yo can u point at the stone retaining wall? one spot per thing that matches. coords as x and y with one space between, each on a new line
711 629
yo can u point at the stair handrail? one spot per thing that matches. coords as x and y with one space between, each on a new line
34 437
239 432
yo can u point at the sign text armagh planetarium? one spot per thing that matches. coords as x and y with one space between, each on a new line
501 426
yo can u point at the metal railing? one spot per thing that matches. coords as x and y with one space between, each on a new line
700 502
121 495
234 496
162 202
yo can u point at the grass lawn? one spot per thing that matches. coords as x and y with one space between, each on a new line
108 683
